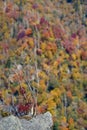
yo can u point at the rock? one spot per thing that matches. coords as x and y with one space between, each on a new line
40 122
10 123
0 116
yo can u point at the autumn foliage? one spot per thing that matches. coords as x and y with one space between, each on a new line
43 60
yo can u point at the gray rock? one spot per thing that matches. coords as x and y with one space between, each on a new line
40 122
10 123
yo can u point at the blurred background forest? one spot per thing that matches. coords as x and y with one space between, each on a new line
43 60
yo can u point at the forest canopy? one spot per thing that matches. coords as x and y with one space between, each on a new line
43 60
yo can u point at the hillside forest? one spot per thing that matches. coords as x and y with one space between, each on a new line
43 60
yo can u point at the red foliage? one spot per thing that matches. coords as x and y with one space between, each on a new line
24 108
58 31
22 90
68 45
84 55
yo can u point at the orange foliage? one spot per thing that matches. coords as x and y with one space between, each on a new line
28 31
64 128
71 121
45 34
69 94
30 42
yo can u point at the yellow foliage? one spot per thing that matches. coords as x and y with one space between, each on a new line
61 53
64 119
7 100
77 75
45 66
19 50
51 104
76 41
43 75
73 56
24 85
11 53
7 35
5 92
55 72
5 27
27 59
58 101
43 46
28 96
66 56
55 64
56 93
73 63
53 112
51 33
31 42
51 39
42 98
1 57
78 53
42 84
49 54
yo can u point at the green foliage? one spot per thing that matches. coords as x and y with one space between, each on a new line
55 126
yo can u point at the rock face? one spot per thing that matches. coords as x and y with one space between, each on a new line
10 123
40 122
